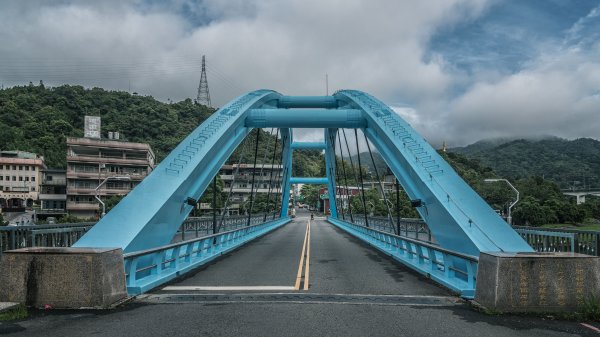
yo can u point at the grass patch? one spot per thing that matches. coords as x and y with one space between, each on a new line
590 311
591 308
17 313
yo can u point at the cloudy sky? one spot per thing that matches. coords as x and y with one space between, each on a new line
457 70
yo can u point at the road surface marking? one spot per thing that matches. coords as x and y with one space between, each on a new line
226 288
307 269
591 327
299 274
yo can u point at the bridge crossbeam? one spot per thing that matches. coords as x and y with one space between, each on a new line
305 118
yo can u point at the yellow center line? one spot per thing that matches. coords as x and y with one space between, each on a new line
307 270
299 275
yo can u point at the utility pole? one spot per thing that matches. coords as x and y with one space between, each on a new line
203 93
326 84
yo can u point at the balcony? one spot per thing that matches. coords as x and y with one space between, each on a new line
107 160
92 191
80 206
54 182
53 197
102 175
50 211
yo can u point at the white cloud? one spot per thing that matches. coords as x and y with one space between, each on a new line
288 46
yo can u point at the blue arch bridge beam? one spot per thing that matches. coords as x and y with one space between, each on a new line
151 214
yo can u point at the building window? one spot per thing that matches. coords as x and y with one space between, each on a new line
1 178
32 178
20 178
20 167
7 178
26 178
33 168
14 167
26 168
1 167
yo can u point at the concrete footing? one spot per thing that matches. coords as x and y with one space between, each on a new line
63 277
536 282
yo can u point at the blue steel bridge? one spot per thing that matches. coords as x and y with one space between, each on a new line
342 275
146 220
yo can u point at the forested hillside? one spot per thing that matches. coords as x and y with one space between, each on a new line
37 119
570 164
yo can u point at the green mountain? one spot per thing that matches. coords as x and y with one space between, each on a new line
569 163
38 119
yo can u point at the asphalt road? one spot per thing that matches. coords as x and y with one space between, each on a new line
353 291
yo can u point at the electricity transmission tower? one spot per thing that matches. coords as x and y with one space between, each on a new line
203 94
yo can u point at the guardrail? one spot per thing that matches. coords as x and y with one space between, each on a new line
561 240
57 235
454 270
148 269
408 227
203 226
65 235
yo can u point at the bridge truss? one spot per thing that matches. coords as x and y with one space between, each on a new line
459 219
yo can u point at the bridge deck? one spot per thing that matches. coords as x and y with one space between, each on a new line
339 264
339 267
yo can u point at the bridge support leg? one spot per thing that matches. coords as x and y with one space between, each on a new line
536 282
286 140
68 278
330 168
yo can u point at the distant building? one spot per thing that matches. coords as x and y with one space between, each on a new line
20 177
343 195
91 161
242 183
53 194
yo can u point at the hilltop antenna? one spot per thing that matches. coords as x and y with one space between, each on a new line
203 94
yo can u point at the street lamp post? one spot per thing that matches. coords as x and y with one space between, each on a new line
509 217
118 178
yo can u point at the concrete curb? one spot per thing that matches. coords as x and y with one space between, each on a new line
6 306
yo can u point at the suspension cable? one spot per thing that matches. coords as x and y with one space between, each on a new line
345 177
253 174
398 205
262 166
214 203
350 158
362 185
271 176
385 200
337 174
279 191
235 174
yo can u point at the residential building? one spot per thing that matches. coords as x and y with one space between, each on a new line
242 183
53 194
117 165
20 176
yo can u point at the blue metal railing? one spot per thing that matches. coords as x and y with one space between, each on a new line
202 226
150 268
409 227
454 270
65 235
